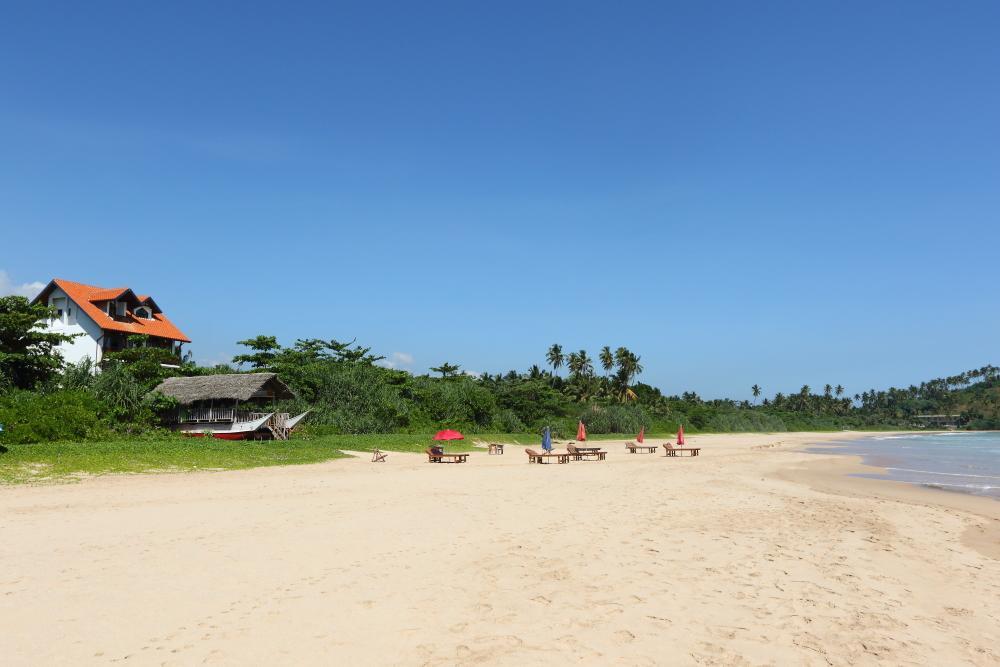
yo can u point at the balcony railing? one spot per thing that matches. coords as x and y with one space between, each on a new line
230 415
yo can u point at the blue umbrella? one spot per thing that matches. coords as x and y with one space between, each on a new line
547 439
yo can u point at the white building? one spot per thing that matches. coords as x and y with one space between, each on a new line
105 318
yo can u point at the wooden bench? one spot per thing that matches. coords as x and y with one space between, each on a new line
496 448
634 448
378 456
581 453
536 457
446 458
672 451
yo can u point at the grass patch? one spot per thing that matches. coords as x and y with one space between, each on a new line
68 461
64 461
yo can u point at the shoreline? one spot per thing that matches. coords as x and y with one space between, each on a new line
838 473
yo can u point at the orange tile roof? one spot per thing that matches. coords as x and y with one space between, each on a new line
86 295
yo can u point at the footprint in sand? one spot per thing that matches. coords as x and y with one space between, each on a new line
624 637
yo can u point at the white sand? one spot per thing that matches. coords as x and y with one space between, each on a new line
638 560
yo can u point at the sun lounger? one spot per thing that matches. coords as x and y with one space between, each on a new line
536 457
378 456
592 453
441 457
634 448
670 450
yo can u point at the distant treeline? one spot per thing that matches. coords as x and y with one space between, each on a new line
350 392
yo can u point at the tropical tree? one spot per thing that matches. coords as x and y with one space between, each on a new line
756 392
555 357
607 359
628 367
839 390
265 351
28 354
447 370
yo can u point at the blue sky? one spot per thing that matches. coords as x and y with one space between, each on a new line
780 193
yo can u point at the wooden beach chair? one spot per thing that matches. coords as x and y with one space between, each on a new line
591 454
496 448
537 457
378 456
441 457
671 450
635 448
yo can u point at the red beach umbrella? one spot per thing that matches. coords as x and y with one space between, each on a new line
680 435
448 434
642 435
581 432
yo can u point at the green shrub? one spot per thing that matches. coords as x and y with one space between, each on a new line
30 417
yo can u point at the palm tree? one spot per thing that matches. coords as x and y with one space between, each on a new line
585 364
573 364
446 369
839 390
628 368
607 360
555 357
756 392
828 390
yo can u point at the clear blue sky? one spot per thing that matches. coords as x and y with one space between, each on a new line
770 192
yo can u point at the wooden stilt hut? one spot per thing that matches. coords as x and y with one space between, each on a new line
235 406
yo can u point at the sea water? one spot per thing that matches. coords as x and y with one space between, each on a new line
967 462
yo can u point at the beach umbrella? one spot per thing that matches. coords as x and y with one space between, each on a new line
642 435
581 432
547 439
448 434
680 435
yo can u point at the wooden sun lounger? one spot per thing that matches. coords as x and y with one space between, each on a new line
580 453
378 456
670 450
634 448
446 458
536 457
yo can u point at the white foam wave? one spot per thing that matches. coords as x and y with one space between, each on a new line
950 474
981 487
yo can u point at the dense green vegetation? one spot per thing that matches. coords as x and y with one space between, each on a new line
65 419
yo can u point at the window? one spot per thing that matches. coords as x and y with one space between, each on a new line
58 305
144 313
111 308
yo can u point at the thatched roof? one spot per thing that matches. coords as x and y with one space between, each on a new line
232 386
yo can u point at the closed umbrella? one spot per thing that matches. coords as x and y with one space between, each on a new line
581 432
547 439
680 435
642 435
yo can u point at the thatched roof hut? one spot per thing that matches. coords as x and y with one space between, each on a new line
240 387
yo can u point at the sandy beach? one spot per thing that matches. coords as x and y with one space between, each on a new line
753 553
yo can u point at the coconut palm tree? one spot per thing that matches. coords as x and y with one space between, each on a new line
756 392
555 357
839 390
446 369
607 360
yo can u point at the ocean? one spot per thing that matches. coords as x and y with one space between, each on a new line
967 462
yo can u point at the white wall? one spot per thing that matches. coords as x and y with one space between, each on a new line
75 321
